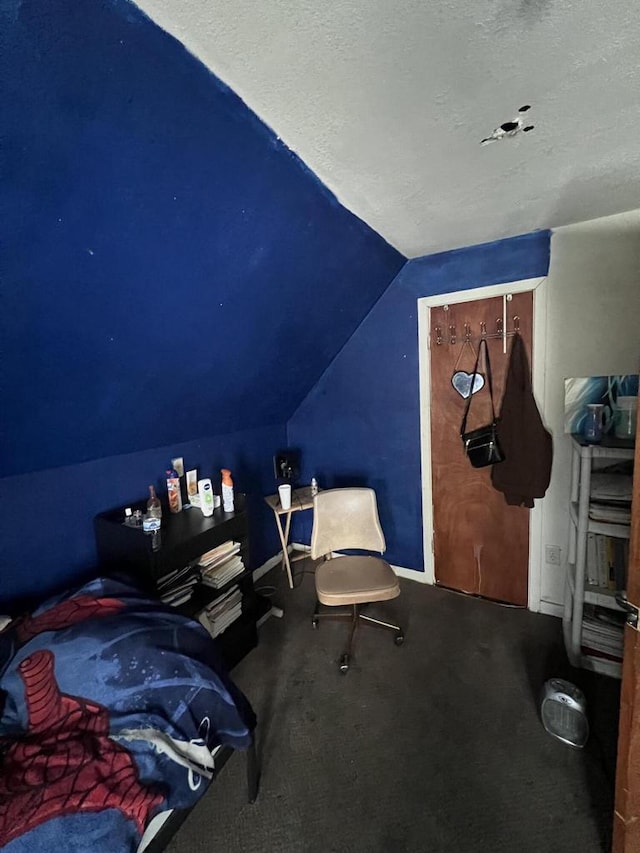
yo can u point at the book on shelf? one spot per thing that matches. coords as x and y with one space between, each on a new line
219 554
222 573
177 587
606 561
222 612
610 512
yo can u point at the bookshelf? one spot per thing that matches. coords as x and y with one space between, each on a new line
593 621
184 538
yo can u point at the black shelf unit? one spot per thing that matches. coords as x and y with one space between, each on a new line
184 537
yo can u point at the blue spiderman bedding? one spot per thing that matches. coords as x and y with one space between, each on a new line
109 706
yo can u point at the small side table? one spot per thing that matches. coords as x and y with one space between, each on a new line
300 499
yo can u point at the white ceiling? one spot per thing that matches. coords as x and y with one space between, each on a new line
387 103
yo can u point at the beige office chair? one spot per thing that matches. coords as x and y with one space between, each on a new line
348 519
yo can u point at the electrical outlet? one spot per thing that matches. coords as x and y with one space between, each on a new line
552 555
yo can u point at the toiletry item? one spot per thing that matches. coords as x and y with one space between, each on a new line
128 516
227 490
178 465
314 487
173 491
205 493
192 487
152 519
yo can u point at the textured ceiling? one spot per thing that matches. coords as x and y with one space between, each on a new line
387 104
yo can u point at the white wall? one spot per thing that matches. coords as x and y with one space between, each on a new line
593 329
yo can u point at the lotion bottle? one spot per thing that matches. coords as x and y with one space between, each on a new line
227 490
205 493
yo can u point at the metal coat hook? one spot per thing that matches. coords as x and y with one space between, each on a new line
516 324
438 335
467 332
452 334
483 330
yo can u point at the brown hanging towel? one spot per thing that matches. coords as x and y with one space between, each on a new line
527 445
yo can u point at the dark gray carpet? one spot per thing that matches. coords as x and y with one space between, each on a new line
434 746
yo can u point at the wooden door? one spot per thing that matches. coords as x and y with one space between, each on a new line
481 545
626 820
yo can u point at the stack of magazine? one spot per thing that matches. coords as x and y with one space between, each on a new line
610 498
222 612
177 587
221 564
603 631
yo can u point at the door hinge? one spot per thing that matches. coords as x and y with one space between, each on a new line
631 610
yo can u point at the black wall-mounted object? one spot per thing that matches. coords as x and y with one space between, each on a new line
286 465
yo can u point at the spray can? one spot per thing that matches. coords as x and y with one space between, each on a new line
227 490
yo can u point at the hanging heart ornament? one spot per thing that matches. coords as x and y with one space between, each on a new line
461 381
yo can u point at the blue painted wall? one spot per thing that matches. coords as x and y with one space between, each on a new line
170 271
360 424
47 540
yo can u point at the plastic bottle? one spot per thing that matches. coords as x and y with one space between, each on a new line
173 491
153 515
227 490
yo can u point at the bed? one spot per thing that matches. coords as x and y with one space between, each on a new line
115 712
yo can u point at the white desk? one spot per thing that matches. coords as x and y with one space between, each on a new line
300 499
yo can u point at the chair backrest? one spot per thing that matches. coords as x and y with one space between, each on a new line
346 518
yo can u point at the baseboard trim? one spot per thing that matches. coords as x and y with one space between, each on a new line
410 574
550 608
271 563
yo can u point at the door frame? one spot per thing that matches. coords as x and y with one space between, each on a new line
538 367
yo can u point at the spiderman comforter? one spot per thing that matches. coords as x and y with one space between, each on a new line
109 706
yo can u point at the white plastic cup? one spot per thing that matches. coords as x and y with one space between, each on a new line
284 492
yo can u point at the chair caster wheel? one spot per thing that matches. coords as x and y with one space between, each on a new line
314 624
398 639
344 663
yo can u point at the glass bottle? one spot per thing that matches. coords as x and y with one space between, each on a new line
154 511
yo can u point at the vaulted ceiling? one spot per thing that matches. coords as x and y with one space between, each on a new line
388 103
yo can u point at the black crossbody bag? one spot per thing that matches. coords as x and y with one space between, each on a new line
481 445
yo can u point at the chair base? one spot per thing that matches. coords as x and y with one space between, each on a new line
355 615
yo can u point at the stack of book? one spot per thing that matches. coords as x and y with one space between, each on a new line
222 612
602 631
177 587
221 564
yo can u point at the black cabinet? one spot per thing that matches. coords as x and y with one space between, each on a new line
182 539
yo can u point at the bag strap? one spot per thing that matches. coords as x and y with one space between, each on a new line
463 426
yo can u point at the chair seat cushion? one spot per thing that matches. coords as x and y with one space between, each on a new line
355 580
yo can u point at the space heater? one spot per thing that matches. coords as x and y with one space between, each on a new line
563 710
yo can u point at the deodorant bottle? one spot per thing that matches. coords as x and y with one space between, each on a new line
227 490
